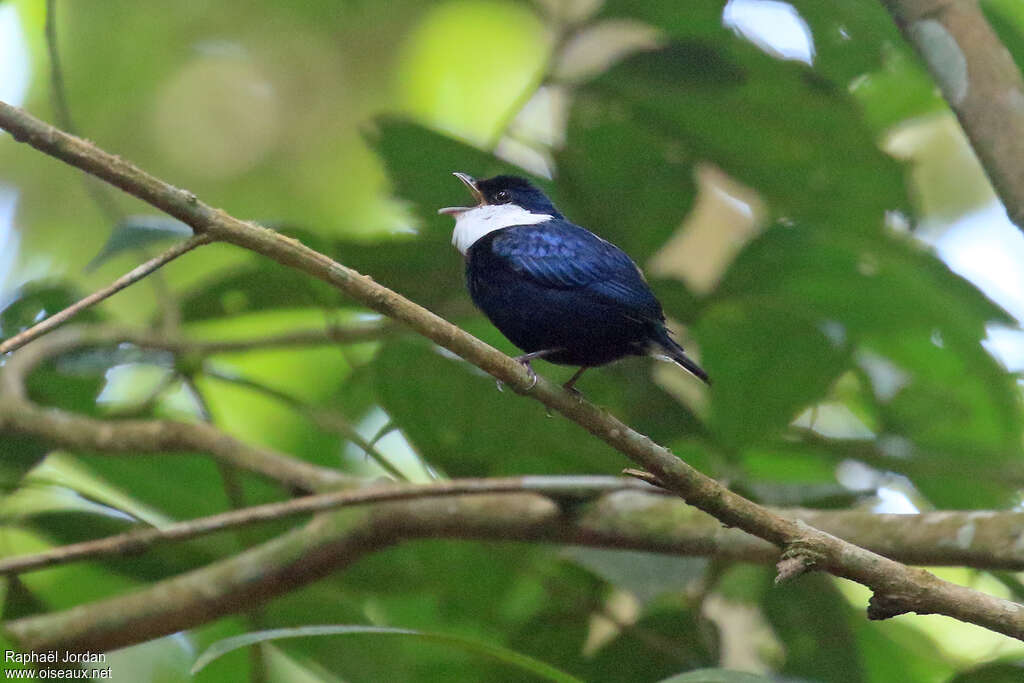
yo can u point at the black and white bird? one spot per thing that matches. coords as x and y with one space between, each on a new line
556 290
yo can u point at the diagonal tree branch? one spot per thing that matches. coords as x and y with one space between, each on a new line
646 519
76 432
897 588
979 80
574 510
134 541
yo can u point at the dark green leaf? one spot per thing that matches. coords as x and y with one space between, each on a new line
656 646
826 294
138 232
629 183
850 37
646 575
430 272
18 454
508 657
811 617
36 301
810 153
769 360
468 428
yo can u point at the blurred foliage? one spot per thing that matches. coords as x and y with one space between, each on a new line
339 123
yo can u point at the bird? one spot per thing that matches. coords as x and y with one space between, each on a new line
554 289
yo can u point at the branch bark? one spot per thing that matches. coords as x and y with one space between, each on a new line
649 519
627 519
76 432
979 80
899 586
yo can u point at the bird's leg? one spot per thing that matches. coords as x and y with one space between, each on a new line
571 384
525 360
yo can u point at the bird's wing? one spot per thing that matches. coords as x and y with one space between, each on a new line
561 255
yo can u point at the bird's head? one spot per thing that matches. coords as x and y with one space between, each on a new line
504 189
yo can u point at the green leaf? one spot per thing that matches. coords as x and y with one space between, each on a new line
780 328
260 285
35 302
895 650
628 182
1007 21
867 282
646 575
960 412
811 617
769 360
850 36
810 153
655 646
898 91
428 271
59 383
457 420
138 232
483 649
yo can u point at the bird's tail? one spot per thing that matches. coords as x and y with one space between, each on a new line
675 353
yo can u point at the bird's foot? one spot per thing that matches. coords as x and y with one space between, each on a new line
525 362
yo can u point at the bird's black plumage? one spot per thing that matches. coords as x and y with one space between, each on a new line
557 290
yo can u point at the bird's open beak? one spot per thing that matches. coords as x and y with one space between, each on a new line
470 183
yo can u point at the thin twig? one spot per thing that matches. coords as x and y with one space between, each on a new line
642 476
135 541
129 278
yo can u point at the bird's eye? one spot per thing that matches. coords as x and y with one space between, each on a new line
503 196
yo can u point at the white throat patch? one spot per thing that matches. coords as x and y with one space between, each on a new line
473 224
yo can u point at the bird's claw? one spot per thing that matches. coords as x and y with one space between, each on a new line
525 362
